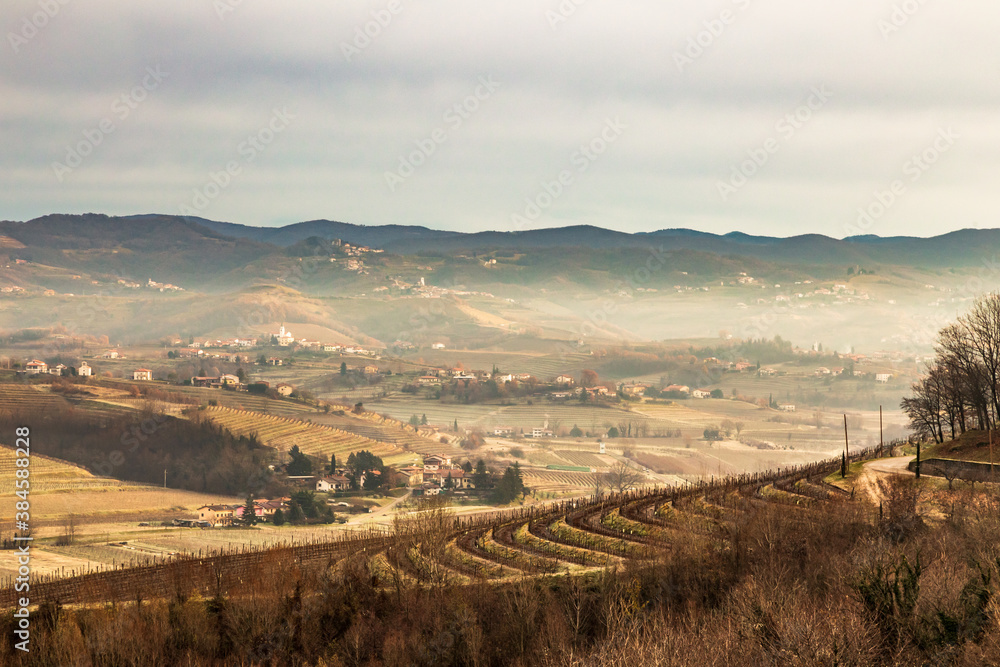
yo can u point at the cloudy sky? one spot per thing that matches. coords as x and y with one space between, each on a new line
776 117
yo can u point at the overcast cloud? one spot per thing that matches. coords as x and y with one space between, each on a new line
787 118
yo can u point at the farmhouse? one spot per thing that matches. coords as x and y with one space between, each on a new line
57 369
263 509
205 381
284 388
438 346
459 478
541 432
142 374
84 370
229 380
678 388
701 393
434 462
413 475
333 483
111 354
503 431
565 379
632 388
883 378
787 407
218 515
34 367
428 380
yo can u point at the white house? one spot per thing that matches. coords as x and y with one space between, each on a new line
541 432
787 407
434 462
438 346
57 369
34 367
503 431
84 370
883 377
333 483
227 380
142 374
700 393
565 379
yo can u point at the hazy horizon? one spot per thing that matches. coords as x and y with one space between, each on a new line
735 116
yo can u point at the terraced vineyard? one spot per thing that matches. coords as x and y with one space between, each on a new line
50 475
390 431
239 400
585 459
284 432
556 480
567 537
489 416
19 397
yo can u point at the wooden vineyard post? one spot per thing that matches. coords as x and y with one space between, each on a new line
881 439
917 471
847 451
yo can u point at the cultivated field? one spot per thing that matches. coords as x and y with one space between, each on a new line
282 433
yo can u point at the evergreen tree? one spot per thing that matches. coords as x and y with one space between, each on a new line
279 517
456 426
333 463
481 478
300 463
295 513
423 420
343 368
249 517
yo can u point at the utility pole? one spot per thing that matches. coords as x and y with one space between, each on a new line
847 446
164 478
881 439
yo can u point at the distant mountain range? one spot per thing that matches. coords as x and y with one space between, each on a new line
964 248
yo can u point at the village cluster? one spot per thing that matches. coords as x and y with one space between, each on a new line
435 476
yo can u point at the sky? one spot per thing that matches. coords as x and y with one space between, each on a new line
776 117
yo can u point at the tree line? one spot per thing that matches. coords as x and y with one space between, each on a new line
961 389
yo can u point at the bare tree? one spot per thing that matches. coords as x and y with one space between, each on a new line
622 477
